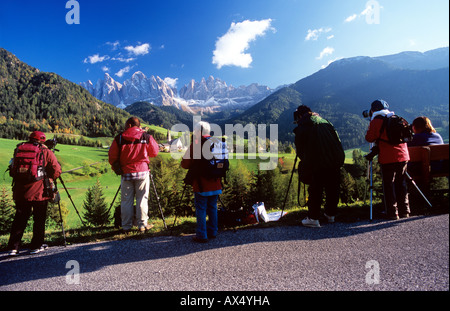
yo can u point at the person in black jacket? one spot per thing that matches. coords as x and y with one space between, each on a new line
321 154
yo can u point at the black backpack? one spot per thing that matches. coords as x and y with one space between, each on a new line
398 130
213 164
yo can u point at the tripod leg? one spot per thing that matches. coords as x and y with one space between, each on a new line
371 191
157 199
181 200
418 189
62 224
114 199
70 198
289 186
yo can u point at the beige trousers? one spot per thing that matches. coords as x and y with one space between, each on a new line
131 189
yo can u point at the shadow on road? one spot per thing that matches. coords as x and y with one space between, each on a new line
95 256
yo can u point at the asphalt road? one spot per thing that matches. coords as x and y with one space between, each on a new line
405 255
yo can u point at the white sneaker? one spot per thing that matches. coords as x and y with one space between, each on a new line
13 253
313 223
40 249
330 219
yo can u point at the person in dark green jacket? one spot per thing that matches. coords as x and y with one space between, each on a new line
321 157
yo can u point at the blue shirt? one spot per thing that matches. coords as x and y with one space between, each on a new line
426 139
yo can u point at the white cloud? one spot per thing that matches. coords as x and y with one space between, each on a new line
325 52
314 34
105 69
372 7
230 47
122 71
171 82
351 18
95 59
138 49
124 60
330 37
114 45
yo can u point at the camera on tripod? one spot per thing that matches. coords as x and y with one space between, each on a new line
373 153
51 144
367 114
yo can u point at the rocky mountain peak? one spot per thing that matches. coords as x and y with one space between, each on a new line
209 95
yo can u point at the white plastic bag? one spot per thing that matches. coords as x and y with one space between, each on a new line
260 212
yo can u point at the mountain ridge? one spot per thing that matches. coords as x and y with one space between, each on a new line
341 91
208 96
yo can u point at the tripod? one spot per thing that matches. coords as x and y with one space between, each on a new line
289 186
181 200
418 189
157 199
370 177
70 198
58 199
156 195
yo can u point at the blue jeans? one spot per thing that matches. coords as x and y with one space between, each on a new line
206 206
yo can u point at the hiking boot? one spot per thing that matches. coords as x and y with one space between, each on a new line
330 219
146 228
38 250
313 223
199 240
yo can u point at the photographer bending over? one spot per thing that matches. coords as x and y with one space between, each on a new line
393 160
321 154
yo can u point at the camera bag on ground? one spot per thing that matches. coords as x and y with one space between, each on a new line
398 130
233 218
28 163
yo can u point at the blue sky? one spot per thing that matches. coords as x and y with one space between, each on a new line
270 42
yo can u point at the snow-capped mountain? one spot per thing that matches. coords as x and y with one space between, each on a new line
207 96
137 88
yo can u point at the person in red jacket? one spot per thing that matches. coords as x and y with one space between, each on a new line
393 160
32 198
206 190
129 156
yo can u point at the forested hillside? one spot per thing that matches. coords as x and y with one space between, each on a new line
164 116
34 100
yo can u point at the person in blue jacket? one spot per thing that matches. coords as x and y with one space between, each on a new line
424 133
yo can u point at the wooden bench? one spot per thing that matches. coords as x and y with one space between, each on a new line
421 157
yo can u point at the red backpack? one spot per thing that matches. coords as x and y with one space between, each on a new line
28 163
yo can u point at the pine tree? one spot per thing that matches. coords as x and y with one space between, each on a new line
236 193
6 210
95 206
